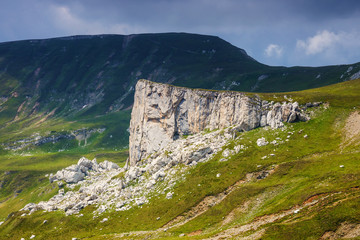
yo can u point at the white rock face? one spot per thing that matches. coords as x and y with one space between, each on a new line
161 113
165 158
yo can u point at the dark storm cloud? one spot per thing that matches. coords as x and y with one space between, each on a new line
273 31
186 12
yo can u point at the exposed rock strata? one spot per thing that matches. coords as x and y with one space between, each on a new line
161 113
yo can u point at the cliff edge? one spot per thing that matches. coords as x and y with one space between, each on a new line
162 113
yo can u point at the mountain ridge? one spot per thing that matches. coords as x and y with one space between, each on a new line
59 69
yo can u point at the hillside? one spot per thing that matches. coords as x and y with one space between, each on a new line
97 74
73 91
65 98
298 181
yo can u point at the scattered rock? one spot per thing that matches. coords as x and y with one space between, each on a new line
238 148
182 235
104 220
140 202
169 195
341 166
226 153
107 186
77 172
262 142
32 237
262 175
306 136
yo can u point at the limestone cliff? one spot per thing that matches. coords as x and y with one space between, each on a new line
161 113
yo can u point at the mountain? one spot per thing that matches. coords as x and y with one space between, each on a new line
66 98
53 89
97 74
279 166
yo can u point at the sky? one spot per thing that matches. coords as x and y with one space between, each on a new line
274 32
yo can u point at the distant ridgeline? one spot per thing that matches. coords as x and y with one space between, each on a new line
96 75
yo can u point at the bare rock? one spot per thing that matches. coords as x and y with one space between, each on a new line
162 113
77 172
262 142
108 165
169 195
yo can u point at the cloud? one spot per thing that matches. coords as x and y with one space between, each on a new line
243 23
72 23
274 50
328 47
320 42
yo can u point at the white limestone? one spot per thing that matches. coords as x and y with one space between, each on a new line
161 113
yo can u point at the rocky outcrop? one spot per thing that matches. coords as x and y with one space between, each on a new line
106 186
77 172
52 137
161 113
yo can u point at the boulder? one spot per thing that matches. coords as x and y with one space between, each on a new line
108 165
169 195
70 176
262 142
77 172
85 162
199 154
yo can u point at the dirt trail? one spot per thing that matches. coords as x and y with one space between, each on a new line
258 225
255 229
352 129
203 206
210 201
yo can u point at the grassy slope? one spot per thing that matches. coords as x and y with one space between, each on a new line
23 171
306 167
62 75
